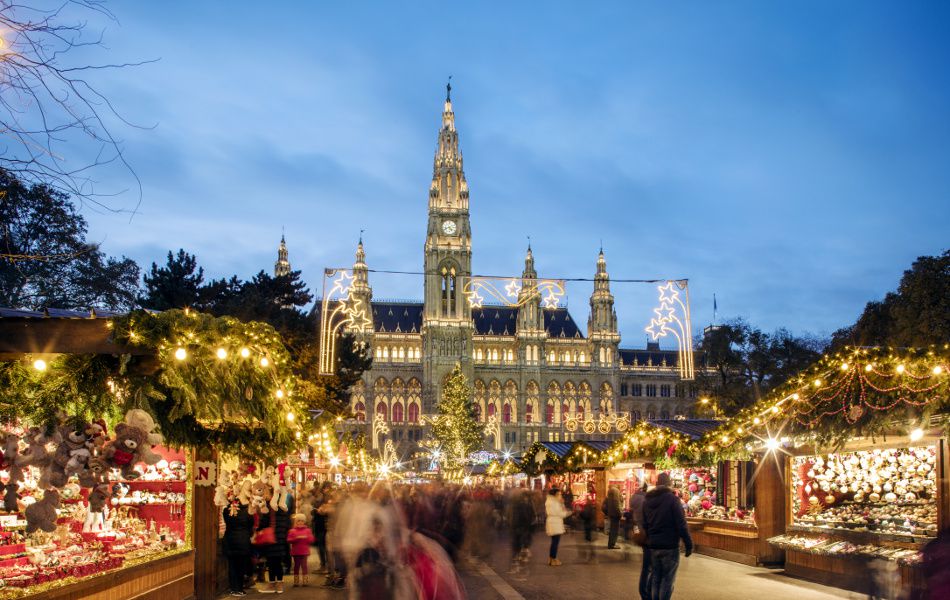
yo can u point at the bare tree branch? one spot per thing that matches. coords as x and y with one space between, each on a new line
52 119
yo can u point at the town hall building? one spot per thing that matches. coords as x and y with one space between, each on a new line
531 367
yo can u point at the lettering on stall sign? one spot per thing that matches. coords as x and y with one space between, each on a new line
205 473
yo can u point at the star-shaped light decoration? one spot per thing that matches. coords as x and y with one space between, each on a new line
342 283
656 329
665 313
668 293
550 301
513 288
474 300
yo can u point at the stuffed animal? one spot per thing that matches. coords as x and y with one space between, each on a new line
96 512
94 473
125 450
224 490
142 420
279 498
36 454
42 515
260 491
97 434
11 454
71 453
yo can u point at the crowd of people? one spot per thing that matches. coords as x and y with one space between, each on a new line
392 540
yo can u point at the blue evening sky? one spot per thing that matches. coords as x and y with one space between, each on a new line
790 157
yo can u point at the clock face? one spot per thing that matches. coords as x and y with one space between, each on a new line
449 227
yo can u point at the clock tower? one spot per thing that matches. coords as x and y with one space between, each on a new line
447 327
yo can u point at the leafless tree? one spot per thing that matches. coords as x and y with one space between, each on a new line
54 123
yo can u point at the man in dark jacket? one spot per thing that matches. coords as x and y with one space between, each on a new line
238 526
613 511
522 520
665 525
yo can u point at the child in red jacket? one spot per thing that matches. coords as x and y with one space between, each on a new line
300 537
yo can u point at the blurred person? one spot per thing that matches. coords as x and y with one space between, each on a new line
613 512
238 526
936 568
318 522
589 519
665 525
554 523
522 518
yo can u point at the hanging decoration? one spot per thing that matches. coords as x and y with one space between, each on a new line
858 391
514 292
603 423
673 318
339 311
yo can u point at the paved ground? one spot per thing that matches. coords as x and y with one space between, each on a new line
613 575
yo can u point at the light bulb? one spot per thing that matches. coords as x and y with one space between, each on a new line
938 370
264 361
818 383
772 444
916 434
290 416
221 353
181 354
245 352
39 364
756 420
900 369
868 368
279 393
844 366
774 409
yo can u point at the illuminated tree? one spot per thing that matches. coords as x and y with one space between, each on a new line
456 428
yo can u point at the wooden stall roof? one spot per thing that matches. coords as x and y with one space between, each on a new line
694 428
58 331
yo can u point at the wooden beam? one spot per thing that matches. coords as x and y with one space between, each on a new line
60 336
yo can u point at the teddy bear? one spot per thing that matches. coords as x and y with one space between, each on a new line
95 513
260 491
124 451
94 473
11 453
42 514
144 421
97 434
36 454
71 453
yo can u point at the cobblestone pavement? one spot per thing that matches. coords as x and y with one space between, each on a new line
611 575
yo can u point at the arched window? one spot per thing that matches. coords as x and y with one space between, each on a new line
549 413
413 413
511 400
565 410
506 413
381 410
532 402
491 409
360 410
478 412
606 397
580 412
527 413
554 400
397 412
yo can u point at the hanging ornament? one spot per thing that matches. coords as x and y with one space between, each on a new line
855 412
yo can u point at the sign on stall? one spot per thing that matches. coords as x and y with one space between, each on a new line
205 473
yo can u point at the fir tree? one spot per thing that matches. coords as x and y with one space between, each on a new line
457 428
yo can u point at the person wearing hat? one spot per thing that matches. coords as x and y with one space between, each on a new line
665 525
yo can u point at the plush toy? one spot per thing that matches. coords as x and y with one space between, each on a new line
124 451
96 512
95 472
71 453
42 514
142 420
279 498
97 434
36 454
224 490
259 493
11 455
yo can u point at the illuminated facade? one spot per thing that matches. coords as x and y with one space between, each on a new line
529 362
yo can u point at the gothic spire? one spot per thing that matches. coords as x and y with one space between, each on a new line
361 273
602 324
282 266
449 188
529 272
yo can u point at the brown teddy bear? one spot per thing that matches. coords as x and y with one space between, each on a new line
42 514
71 454
95 472
126 449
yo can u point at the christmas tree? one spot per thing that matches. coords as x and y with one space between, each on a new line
456 427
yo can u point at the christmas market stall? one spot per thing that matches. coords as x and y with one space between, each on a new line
861 440
576 465
111 427
719 494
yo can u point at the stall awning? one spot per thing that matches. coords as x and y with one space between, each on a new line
694 428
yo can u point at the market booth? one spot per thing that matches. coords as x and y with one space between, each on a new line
732 506
99 500
860 441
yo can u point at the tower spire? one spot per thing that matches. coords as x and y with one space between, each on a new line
602 323
448 90
282 266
